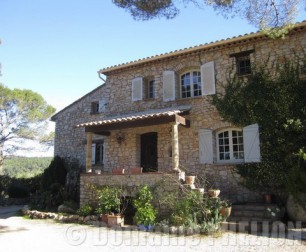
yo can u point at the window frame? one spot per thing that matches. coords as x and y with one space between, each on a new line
99 159
240 57
230 146
192 91
149 89
243 65
95 107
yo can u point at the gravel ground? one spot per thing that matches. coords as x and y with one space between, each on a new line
19 234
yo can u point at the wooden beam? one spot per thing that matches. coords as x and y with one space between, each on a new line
88 151
182 120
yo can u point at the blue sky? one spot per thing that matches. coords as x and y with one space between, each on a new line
56 47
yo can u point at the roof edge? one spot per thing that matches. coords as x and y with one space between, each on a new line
53 118
189 50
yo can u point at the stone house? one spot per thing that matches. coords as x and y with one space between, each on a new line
156 113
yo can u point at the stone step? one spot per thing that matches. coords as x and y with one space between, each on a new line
254 227
244 218
249 213
253 207
255 212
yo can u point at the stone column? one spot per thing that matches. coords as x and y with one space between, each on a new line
88 150
175 148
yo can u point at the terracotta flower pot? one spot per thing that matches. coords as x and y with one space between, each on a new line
104 217
118 171
225 211
136 170
268 198
115 220
214 193
189 180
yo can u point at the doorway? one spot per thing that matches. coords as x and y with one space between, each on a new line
149 152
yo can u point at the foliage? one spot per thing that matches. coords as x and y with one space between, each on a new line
109 199
194 208
85 210
17 191
7 184
54 174
277 103
54 188
25 167
23 115
265 14
145 212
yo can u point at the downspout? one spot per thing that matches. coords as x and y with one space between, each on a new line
100 77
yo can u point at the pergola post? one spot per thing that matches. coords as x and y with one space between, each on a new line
88 151
175 147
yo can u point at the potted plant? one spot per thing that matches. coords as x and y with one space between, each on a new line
109 205
226 209
214 193
145 213
189 180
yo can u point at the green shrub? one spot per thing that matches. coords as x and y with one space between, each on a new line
145 212
55 173
18 191
86 210
109 200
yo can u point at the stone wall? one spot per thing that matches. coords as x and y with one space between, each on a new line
70 142
169 183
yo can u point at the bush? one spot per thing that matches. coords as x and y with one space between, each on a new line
109 199
18 191
145 213
31 185
55 173
86 210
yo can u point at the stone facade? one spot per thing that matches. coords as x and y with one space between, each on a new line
70 142
129 183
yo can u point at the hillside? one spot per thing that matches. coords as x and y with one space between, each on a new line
25 167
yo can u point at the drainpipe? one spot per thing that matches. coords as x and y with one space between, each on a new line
100 77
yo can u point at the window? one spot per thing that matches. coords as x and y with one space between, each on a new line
95 107
97 153
230 145
143 88
149 89
151 85
243 62
191 84
243 65
98 107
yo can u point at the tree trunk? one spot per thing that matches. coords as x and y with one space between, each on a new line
1 159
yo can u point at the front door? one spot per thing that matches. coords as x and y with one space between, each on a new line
149 152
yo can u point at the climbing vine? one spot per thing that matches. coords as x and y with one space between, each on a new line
276 100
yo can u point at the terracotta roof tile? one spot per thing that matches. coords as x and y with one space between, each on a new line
137 116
